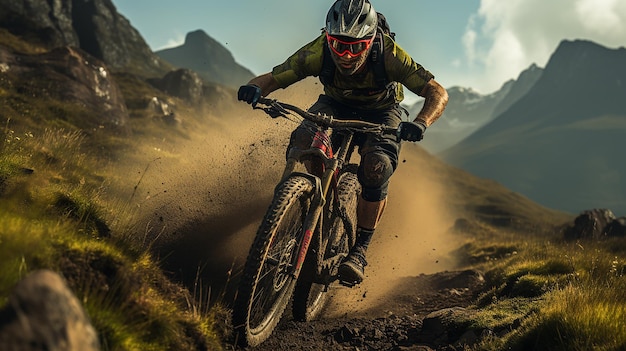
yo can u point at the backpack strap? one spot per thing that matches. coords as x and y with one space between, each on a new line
378 59
327 74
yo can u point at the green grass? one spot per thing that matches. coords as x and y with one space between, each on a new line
548 294
54 217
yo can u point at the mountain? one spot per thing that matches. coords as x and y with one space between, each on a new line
517 88
469 110
562 143
94 26
212 61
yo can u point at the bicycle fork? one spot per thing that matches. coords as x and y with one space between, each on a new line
320 145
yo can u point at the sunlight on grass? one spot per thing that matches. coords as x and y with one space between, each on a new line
24 246
55 214
554 295
578 317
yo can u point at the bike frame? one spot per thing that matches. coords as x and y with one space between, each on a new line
323 159
326 164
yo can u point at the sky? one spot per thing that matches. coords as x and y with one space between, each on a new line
478 44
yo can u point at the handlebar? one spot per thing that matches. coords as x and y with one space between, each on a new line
275 108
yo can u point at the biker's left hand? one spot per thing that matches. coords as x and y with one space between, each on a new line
412 131
249 93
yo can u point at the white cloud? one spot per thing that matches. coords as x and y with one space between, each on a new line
602 16
506 37
173 42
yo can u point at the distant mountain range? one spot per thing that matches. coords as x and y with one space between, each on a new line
555 135
562 143
210 59
469 110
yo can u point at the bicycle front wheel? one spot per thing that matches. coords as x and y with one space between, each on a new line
311 293
268 280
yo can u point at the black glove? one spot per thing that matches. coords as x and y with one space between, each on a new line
249 93
412 131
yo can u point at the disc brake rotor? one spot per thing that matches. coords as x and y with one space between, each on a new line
284 265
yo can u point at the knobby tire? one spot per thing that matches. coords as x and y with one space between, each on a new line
311 297
267 282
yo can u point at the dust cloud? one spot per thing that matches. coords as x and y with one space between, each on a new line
411 239
199 204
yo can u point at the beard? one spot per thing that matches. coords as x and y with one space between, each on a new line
349 67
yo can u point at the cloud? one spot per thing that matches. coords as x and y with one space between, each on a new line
505 37
173 42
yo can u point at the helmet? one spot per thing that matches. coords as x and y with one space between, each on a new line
352 18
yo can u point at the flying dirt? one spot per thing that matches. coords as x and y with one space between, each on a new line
200 207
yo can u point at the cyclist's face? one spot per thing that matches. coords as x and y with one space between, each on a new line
348 64
349 55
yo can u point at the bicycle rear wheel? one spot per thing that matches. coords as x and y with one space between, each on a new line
267 282
311 294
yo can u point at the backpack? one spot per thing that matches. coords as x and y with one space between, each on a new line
327 74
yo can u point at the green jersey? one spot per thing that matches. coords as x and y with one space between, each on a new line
399 66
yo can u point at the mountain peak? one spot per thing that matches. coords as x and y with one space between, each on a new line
199 38
207 57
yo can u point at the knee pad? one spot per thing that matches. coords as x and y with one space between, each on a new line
374 173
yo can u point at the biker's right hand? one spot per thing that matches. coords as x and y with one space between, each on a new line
249 93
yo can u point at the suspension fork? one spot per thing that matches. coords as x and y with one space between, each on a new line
312 224
314 218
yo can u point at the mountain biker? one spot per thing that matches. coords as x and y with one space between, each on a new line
355 92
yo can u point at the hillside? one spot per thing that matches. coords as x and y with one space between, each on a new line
142 191
559 142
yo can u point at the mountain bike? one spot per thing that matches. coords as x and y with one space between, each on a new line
307 230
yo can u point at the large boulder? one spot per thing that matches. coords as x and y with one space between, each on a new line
73 77
617 227
43 314
183 83
589 224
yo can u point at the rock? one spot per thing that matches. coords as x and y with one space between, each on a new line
46 22
617 227
94 26
444 326
182 83
75 78
589 224
43 314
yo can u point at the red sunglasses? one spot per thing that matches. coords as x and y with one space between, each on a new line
354 48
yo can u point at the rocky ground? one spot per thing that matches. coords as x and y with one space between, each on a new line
410 317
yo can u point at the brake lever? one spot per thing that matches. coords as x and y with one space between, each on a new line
274 110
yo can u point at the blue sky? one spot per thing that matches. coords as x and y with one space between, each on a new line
471 43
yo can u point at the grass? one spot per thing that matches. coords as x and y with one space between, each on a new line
54 216
548 294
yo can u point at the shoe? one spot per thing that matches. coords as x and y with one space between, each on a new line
352 269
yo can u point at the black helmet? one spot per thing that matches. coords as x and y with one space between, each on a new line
352 18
